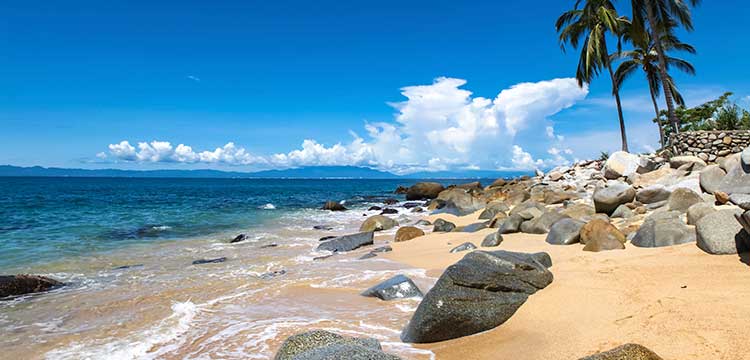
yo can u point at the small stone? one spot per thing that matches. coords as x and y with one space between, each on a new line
463 247
443 226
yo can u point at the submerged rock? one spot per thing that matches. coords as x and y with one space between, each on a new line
324 345
348 242
210 261
625 352
378 223
463 247
397 287
238 238
333 206
478 293
13 285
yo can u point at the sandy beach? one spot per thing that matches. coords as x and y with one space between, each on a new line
678 301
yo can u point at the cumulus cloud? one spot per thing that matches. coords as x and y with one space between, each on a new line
438 127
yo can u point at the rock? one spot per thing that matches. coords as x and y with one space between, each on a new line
324 345
621 164
322 227
389 211
492 240
498 183
375 252
333 206
744 220
407 233
435 204
710 178
390 201
374 208
417 210
652 194
737 180
268 246
478 293
516 197
581 212
565 232
511 225
14 285
497 220
607 199
554 176
682 198
729 162
460 202
210 261
476 185
329 237
397 287
529 210
541 224
741 200
443 226
348 242
745 157
238 238
471 228
721 197
538 173
679 161
463 247
720 233
599 235
698 211
492 210
412 205
622 212
558 197
423 223
663 230
424 191
378 223
625 352
401 190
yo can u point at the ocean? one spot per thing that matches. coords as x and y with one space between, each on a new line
125 248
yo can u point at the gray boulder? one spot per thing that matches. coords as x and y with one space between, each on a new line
459 202
698 211
621 164
661 230
324 345
443 226
492 210
348 242
378 223
511 225
682 199
471 228
622 212
528 210
565 232
463 247
741 200
478 293
541 224
492 240
653 194
680 161
607 199
14 285
424 191
397 287
720 233
711 177
737 180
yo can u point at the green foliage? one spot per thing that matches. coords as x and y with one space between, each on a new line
604 156
718 114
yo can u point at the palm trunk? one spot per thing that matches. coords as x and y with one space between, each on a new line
658 120
662 67
616 92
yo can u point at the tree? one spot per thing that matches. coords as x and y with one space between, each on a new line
656 13
588 26
645 57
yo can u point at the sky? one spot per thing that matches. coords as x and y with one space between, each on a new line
401 86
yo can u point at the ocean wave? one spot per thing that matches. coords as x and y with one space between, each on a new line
268 206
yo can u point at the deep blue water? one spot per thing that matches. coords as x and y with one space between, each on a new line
46 219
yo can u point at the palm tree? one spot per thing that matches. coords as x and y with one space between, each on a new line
656 13
591 23
645 57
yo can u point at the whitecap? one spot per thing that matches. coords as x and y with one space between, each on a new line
268 206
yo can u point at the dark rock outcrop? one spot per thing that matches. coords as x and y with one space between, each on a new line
238 238
397 287
389 211
441 225
492 240
511 225
13 285
492 210
543 223
210 261
333 206
424 191
478 293
348 242
324 345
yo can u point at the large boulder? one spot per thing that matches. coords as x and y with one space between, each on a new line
493 209
663 229
378 223
441 225
528 210
698 211
720 233
460 202
680 161
13 285
600 235
737 180
424 191
542 223
681 199
472 186
492 240
653 194
625 352
348 242
607 199
558 197
407 233
511 225
397 287
711 177
324 345
621 164
565 232
478 293
580 212
333 206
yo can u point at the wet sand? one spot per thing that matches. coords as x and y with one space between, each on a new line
678 301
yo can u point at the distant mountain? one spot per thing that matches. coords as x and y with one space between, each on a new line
311 172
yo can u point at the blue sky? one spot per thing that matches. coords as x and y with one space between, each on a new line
79 76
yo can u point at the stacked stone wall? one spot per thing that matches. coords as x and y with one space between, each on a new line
708 145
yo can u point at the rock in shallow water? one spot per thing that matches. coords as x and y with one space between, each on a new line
424 191
209 261
13 285
238 238
625 352
378 223
333 206
397 287
348 242
324 345
478 293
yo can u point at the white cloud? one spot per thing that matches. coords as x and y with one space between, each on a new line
439 126
194 78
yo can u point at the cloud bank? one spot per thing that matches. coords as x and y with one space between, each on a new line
440 126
